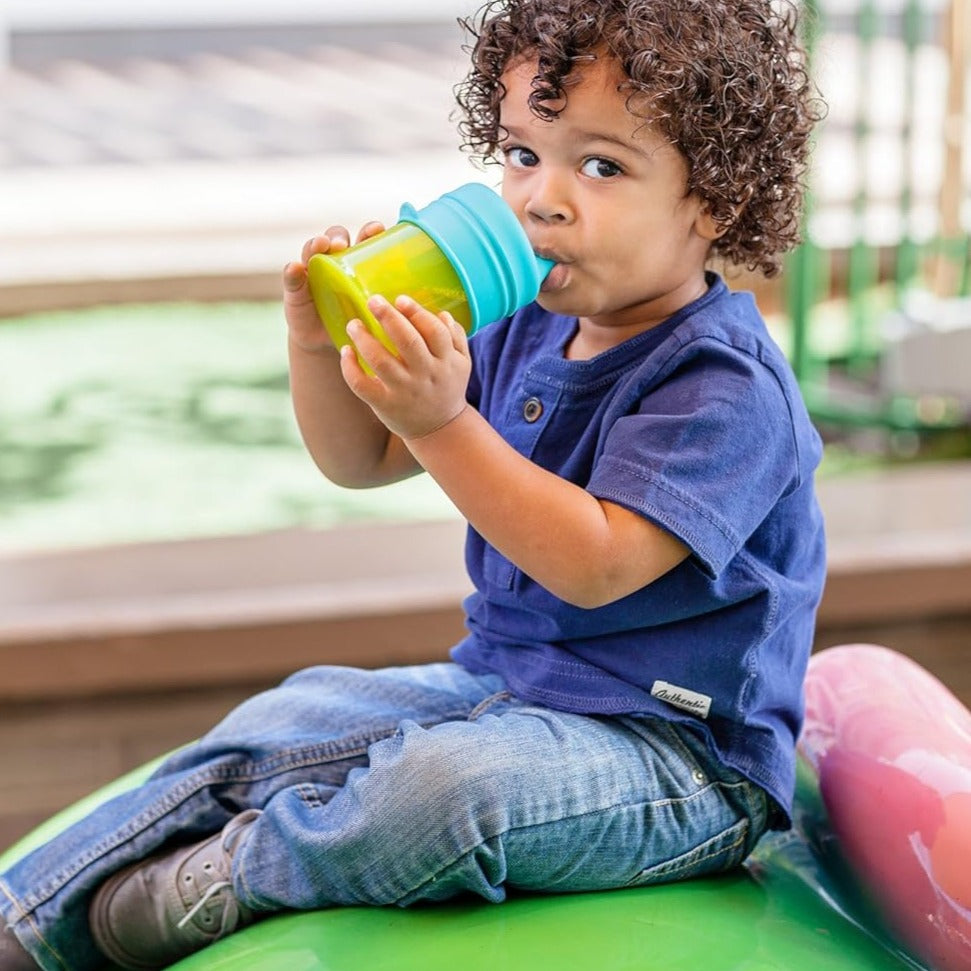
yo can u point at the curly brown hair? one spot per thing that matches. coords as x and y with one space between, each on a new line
725 80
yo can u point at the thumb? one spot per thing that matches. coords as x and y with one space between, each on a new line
294 277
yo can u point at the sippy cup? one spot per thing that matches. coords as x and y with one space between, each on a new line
465 253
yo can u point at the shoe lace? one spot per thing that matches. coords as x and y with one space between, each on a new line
230 914
211 891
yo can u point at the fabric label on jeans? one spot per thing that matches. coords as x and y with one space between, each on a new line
697 704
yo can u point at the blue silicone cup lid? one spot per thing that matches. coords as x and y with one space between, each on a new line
488 249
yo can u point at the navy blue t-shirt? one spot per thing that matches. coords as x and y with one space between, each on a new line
697 424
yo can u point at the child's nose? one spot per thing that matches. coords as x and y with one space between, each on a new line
549 200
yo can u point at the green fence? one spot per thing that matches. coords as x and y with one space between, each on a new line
886 211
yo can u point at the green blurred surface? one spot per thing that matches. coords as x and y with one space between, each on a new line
162 421
729 923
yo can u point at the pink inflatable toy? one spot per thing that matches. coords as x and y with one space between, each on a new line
891 748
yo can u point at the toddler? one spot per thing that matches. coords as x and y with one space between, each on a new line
636 467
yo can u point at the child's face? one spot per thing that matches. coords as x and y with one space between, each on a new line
601 192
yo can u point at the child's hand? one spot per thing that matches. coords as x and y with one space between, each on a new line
420 389
306 330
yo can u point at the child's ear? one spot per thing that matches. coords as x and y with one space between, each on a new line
707 227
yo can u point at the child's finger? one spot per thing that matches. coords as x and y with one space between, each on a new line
460 339
355 377
303 323
407 340
369 229
316 244
296 290
434 331
382 362
336 238
294 276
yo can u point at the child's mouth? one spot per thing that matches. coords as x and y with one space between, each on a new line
556 279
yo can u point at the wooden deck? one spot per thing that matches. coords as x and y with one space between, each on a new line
111 656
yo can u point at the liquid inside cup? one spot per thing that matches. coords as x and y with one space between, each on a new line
401 260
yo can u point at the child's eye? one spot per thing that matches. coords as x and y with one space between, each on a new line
520 158
600 168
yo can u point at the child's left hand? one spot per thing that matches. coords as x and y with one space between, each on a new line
422 388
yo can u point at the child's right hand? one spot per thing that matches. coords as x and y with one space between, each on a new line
306 330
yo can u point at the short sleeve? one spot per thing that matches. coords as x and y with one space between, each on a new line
705 453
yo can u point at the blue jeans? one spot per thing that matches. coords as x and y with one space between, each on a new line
400 785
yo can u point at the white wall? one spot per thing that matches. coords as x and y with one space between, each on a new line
36 15
68 14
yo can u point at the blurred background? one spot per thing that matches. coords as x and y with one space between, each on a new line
165 544
160 162
158 155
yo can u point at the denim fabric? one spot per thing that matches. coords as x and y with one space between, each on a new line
400 785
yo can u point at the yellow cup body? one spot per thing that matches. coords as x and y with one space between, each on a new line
401 260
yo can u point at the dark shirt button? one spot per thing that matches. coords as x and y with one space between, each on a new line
532 409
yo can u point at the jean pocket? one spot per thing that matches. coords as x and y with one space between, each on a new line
723 851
